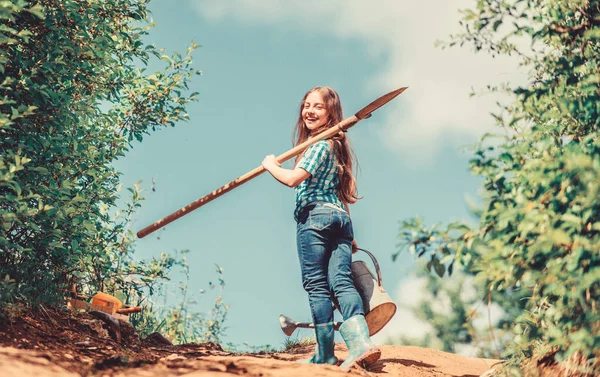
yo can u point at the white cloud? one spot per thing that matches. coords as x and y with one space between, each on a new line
485 316
466 349
436 108
468 292
412 292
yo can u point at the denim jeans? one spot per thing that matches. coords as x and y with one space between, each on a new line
324 238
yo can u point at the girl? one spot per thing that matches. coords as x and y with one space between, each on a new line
324 185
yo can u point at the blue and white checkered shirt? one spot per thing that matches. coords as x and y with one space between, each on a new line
319 161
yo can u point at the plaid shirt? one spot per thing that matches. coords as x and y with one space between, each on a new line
319 161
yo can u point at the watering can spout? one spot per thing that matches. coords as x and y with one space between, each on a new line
288 325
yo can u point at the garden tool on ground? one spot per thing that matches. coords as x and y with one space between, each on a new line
105 307
113 324
101 302
378 305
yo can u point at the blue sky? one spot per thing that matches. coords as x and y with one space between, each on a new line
258 59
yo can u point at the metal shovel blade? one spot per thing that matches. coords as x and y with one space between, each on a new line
366 111
288 325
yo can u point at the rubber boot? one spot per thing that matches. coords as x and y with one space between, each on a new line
361 349
324 347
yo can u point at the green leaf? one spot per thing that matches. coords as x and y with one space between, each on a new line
559 237
37 10
439 269
497 24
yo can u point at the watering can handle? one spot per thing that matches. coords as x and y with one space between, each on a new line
379 280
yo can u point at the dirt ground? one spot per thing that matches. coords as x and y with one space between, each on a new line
58 344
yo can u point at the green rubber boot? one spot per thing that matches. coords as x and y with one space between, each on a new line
355 332
324 347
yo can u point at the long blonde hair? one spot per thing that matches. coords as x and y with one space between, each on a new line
344 156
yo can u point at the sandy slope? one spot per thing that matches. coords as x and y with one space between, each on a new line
395 361
54 343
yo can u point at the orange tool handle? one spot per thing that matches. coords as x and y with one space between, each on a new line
135 309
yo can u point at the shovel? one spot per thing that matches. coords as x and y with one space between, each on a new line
342 126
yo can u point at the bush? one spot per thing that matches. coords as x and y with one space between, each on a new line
539 233
73 98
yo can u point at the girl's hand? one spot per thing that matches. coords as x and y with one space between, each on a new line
270 161
354 247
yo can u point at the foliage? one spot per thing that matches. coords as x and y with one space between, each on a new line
72 99
7 291
540 231
180 323
465 317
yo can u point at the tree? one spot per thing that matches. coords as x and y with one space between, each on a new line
73 99
539 233
462 316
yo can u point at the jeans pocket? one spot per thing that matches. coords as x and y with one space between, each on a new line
319 220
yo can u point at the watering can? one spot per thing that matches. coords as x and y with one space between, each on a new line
378 305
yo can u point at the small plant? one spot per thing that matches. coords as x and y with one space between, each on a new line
8 289
293 342
180 323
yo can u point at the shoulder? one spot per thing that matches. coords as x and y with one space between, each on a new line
322 149
322 145
314 155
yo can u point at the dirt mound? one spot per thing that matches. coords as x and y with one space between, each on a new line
64 344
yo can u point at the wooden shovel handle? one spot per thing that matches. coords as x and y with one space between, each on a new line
342 126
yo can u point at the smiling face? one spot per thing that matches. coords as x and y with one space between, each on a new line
314 111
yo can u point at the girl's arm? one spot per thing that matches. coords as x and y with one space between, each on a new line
291 178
